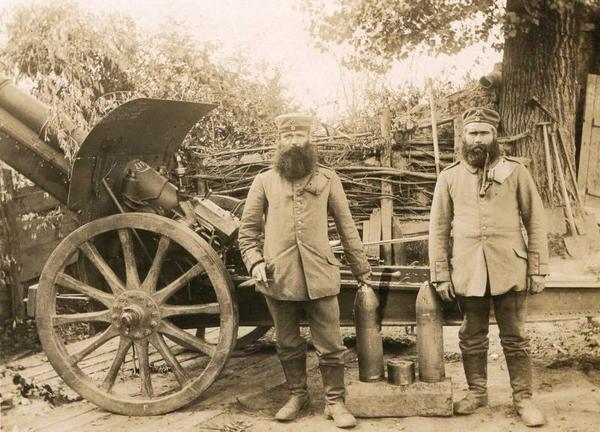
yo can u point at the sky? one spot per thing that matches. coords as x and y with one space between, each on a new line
276 32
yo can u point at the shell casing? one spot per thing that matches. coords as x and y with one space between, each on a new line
430 342
401 372
369 343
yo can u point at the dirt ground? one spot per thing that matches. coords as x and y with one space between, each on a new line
250 390
252 387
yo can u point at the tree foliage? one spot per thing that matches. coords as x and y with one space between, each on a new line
83 65
378 32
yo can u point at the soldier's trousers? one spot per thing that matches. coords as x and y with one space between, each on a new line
510 310
323 316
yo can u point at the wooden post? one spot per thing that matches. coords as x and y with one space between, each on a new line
436 148
588 153
400 256
11 256
458 135
387 205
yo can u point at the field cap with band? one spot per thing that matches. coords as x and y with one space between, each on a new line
481 115
294 122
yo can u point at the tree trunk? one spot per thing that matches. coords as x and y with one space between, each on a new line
542 63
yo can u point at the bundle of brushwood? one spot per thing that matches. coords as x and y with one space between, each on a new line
356 159
355 152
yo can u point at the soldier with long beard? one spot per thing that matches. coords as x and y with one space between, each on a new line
483 200
294 265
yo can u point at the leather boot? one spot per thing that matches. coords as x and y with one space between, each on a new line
335 390
529 413
519 370
295 375
475 366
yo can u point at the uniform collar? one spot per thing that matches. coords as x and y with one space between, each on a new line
475 170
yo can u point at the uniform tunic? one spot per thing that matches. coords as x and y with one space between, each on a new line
299 261
488 245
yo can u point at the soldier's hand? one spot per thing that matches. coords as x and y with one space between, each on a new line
259 273
536 284
445 290
364 279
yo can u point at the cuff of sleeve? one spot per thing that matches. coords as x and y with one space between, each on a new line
251 258
361 268
440 271
534 266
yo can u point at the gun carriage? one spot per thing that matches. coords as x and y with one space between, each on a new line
159 264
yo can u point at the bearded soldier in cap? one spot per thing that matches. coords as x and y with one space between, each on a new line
295 267
483 200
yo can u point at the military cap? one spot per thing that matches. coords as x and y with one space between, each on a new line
482 115
293 122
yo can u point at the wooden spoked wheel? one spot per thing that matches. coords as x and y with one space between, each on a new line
143 359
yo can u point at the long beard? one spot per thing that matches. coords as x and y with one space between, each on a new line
296 162
475 155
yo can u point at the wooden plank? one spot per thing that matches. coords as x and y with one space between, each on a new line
5 305
35 201
407 229
31 264
79 422
434 132
458 135
586 133
247 375
374 233
60 416
387 206
26 190
366 231
9 230
28 241
400 257
37 239
174 421
387 212
425 124
593 181
69 223
34 229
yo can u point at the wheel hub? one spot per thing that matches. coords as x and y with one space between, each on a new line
135 314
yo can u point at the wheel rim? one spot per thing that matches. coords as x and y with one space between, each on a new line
137 311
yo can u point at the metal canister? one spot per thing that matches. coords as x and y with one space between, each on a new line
400 372
369 344
430 342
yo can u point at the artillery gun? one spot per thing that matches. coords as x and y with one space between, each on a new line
160 266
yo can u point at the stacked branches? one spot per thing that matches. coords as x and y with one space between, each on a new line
355 157
354 150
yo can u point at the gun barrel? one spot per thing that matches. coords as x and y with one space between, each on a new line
25 144
33 113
